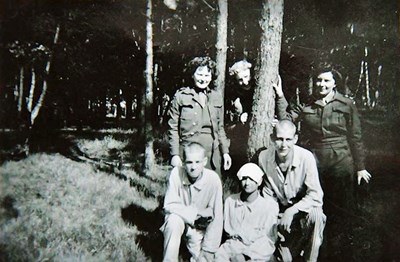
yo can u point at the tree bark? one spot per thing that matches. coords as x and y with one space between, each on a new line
32 89
21 90
38 106
264 97
149 103
367 86
222 46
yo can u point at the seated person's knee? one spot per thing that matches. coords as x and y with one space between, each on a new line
174 222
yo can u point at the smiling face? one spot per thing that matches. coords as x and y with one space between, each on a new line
202 77
285 139
248 185
243 77
325 83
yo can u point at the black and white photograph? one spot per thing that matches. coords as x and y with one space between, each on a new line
200 130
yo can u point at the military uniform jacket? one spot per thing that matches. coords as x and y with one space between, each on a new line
185 118
336 125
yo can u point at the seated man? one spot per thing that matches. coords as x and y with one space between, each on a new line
193 208
249 220
292 178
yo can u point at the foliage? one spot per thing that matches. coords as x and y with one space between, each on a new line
101 148
101 47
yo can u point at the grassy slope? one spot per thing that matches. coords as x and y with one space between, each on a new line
58 209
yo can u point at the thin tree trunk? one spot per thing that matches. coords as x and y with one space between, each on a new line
367 86
222 46
38 106
378 86
149 116
360 76
21 90
264 100
32 89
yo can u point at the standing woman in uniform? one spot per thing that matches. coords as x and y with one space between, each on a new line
197 115
331 129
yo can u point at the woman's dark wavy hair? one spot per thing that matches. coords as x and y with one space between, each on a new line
327 67
198 61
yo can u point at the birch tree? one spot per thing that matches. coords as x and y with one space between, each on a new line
221 45
148 109
31 94
264 98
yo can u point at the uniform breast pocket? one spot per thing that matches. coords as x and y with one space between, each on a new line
187 113
311 118
215 112
340 116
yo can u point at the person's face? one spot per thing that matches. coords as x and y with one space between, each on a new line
284 141
202 77
243 77
195 161
325 83
248 185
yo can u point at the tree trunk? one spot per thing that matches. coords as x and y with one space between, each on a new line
38 106
20 91
367 86
222 46
32 89
360 77
149 111
264 98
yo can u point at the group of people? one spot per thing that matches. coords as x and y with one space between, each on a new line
279 214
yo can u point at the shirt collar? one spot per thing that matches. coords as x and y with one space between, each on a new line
339 97
199 184
250 206
296 157
326 99
336 97
295 162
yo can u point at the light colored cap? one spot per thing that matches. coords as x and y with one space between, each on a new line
251 170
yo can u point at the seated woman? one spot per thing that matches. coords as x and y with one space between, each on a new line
250 220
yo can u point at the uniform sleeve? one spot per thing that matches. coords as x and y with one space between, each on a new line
284 111
314 193
213 234
355 138
173 202
222 139
173 123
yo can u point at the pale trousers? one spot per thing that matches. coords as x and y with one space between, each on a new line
231 248
174 229
306 236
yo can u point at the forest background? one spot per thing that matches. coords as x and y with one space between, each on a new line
72 115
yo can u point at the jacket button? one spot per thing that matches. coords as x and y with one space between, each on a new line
192 134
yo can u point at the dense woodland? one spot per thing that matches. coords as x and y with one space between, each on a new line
89 56
88 81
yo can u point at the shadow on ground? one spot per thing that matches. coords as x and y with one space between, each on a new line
150 239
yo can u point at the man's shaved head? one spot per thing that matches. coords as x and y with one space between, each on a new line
284 125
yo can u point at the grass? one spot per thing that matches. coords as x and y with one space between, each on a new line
102 148
59 210
56 209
